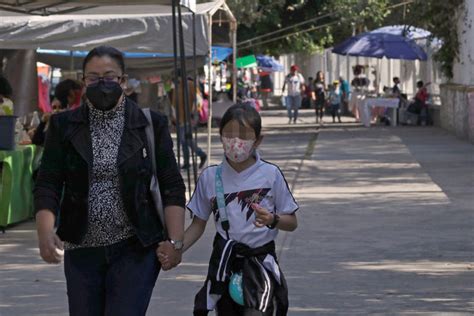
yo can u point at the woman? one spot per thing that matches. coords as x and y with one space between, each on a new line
96 163
266 87
64 98
319 96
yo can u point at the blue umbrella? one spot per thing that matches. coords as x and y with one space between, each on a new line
268 63
380 45
419 35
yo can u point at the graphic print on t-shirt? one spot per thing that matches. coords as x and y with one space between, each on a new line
244 198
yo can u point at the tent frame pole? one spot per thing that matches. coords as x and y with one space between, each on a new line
185 95
209 80
175 80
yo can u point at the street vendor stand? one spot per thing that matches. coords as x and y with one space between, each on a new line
16 183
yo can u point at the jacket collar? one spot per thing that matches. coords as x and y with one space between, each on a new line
79 133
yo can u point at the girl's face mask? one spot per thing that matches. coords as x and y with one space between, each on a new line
236 149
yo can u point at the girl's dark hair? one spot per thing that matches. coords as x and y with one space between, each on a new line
5 87
109 51
419 84
62 90
245 114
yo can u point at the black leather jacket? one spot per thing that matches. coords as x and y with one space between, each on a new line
63 177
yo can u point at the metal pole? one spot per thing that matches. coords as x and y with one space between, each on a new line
196 85
188 136
209 80
175 80
234 59
71 62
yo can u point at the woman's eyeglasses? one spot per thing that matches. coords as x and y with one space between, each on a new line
92 80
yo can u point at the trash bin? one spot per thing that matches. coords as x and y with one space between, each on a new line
7 132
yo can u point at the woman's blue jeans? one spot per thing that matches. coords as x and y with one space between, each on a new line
113 280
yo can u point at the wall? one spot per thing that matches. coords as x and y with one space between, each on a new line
464 69
457 110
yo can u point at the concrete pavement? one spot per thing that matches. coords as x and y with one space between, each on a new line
385 228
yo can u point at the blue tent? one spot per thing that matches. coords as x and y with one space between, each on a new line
268 63
219 53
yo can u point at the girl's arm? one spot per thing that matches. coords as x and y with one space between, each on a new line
193 232
287 222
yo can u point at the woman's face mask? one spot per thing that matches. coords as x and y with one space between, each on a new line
104 96
103 76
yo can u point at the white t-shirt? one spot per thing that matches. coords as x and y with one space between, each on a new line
294 83
262 183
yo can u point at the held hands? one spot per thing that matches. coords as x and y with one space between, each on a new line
51 247
262 216
168 256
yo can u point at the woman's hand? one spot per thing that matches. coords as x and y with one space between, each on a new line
168 256
51 247
262 216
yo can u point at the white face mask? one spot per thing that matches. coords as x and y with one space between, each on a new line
236 149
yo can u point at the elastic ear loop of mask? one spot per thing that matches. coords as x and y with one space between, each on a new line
221 201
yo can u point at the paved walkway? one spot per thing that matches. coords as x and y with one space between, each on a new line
385 228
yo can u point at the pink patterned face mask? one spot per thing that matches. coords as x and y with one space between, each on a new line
236 149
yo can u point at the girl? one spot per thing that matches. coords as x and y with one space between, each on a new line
251 202
335 101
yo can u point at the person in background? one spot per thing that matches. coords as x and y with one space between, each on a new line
6 92
421 103
295 82
179 118
131 90
266 87
98 155
396 87
319 96
360 85
65 97
308 94
345 94
335 101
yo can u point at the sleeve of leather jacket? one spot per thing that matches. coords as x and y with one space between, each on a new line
49 183
171 183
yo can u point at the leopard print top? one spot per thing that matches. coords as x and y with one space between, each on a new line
108 223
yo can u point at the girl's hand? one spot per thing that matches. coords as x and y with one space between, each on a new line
262 216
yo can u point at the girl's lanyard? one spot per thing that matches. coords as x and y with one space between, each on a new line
221 207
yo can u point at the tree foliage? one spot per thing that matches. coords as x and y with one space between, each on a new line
332 21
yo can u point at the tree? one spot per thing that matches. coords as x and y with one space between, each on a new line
332 21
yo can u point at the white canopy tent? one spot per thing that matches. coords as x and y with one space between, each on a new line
132 26
54 7
132 29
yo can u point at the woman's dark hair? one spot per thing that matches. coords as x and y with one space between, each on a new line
245 114
5 87
109 51
63 89
318 76
419 84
